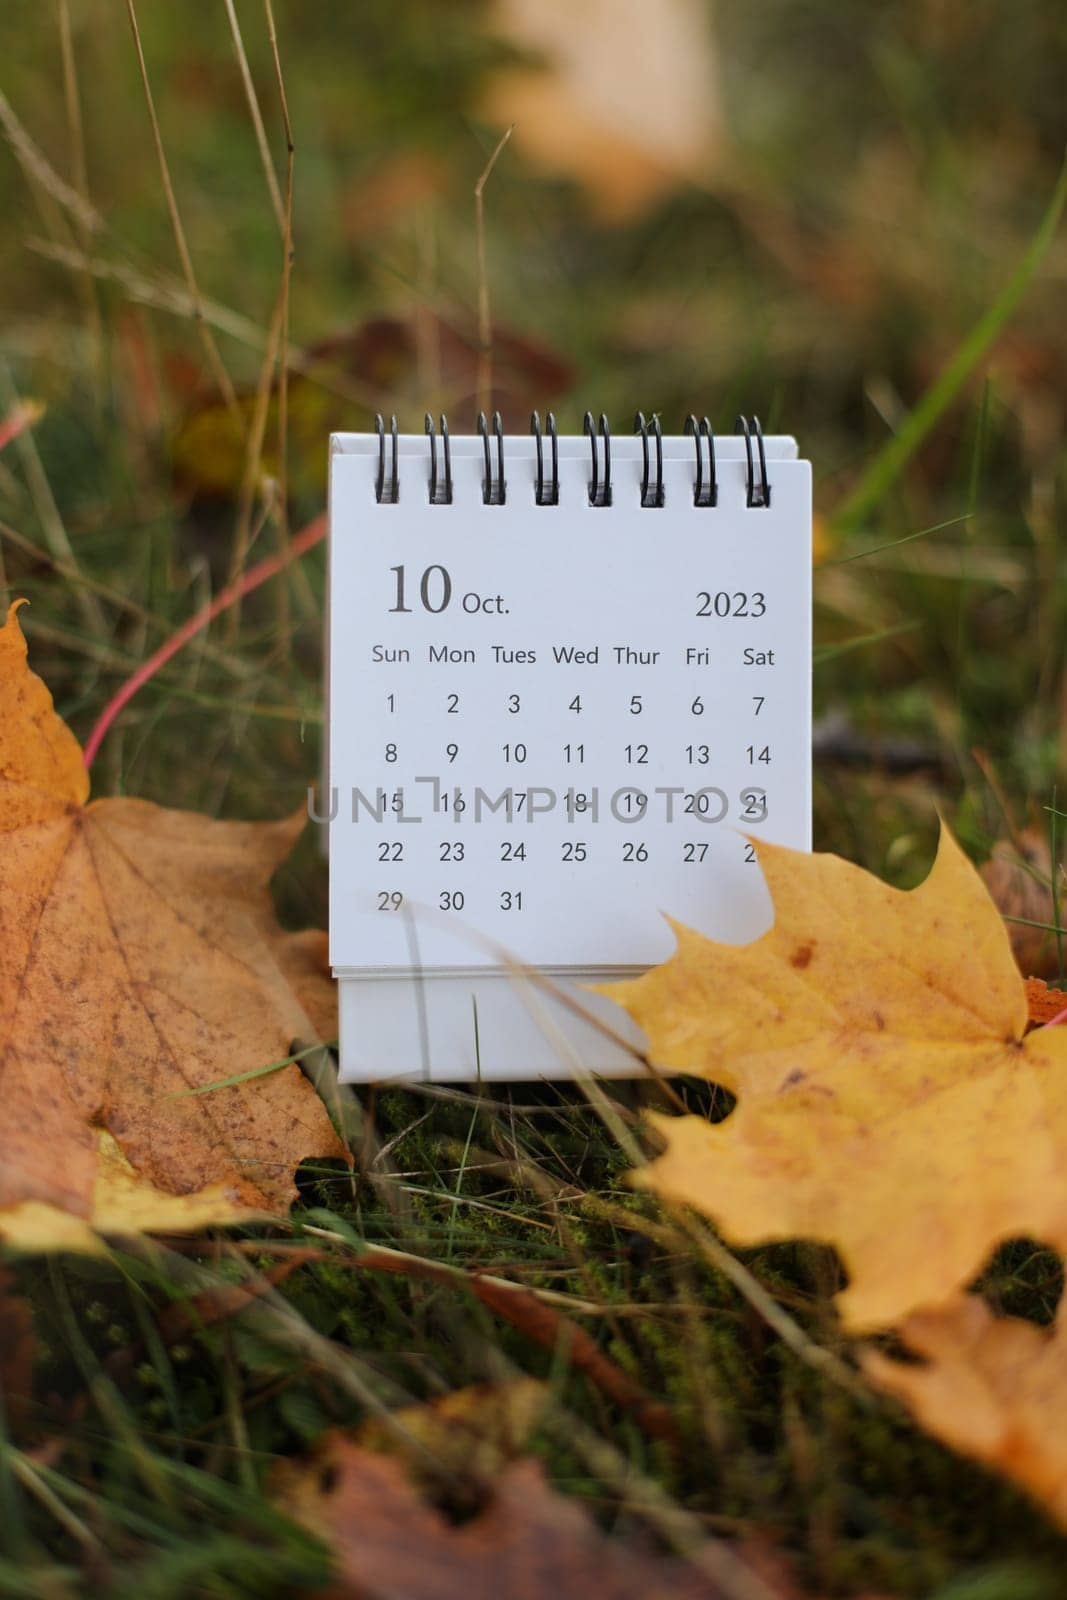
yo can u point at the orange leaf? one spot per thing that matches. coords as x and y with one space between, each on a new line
888 1101
993 1387
1044 1003
139 958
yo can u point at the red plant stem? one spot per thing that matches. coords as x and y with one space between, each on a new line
1054 1022
304 541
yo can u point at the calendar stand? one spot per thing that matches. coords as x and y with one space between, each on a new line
569 679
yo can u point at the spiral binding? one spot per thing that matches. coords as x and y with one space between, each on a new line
440 496
650 497
493 494
758 494
703 494
599 483
393 494
546 483
543 497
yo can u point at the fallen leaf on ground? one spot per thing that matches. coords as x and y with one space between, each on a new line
1044 1003
527 1543
461 1440
991 1387
139 959
386 364
122 1202
888 1101
471 1433
1018 876
623 96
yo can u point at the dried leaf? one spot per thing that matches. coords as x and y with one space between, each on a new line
1019 876
471 1433
140 959
992 1387
527 1543
623 96
1043 1003
402 363
458 1441
889 1103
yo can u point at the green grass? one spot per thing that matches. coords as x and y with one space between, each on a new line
169 1444
890 170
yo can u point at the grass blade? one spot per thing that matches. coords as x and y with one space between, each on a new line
897 452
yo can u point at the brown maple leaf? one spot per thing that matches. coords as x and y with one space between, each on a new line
526 1542
140 960
888 1101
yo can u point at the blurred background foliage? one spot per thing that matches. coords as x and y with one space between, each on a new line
800 208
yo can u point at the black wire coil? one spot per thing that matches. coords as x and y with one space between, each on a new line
599 482
546 481
705 489
494 493
387 493
651 494
440 494
546 496
758 490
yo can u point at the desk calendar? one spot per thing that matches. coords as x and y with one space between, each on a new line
569 678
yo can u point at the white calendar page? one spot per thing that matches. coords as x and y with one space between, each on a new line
549 725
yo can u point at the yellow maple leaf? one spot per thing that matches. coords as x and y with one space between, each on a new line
139 960
991 1386
888 1101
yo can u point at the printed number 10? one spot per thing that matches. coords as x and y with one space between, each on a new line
444 589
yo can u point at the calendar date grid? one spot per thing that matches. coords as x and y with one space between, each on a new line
438 837
548 787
